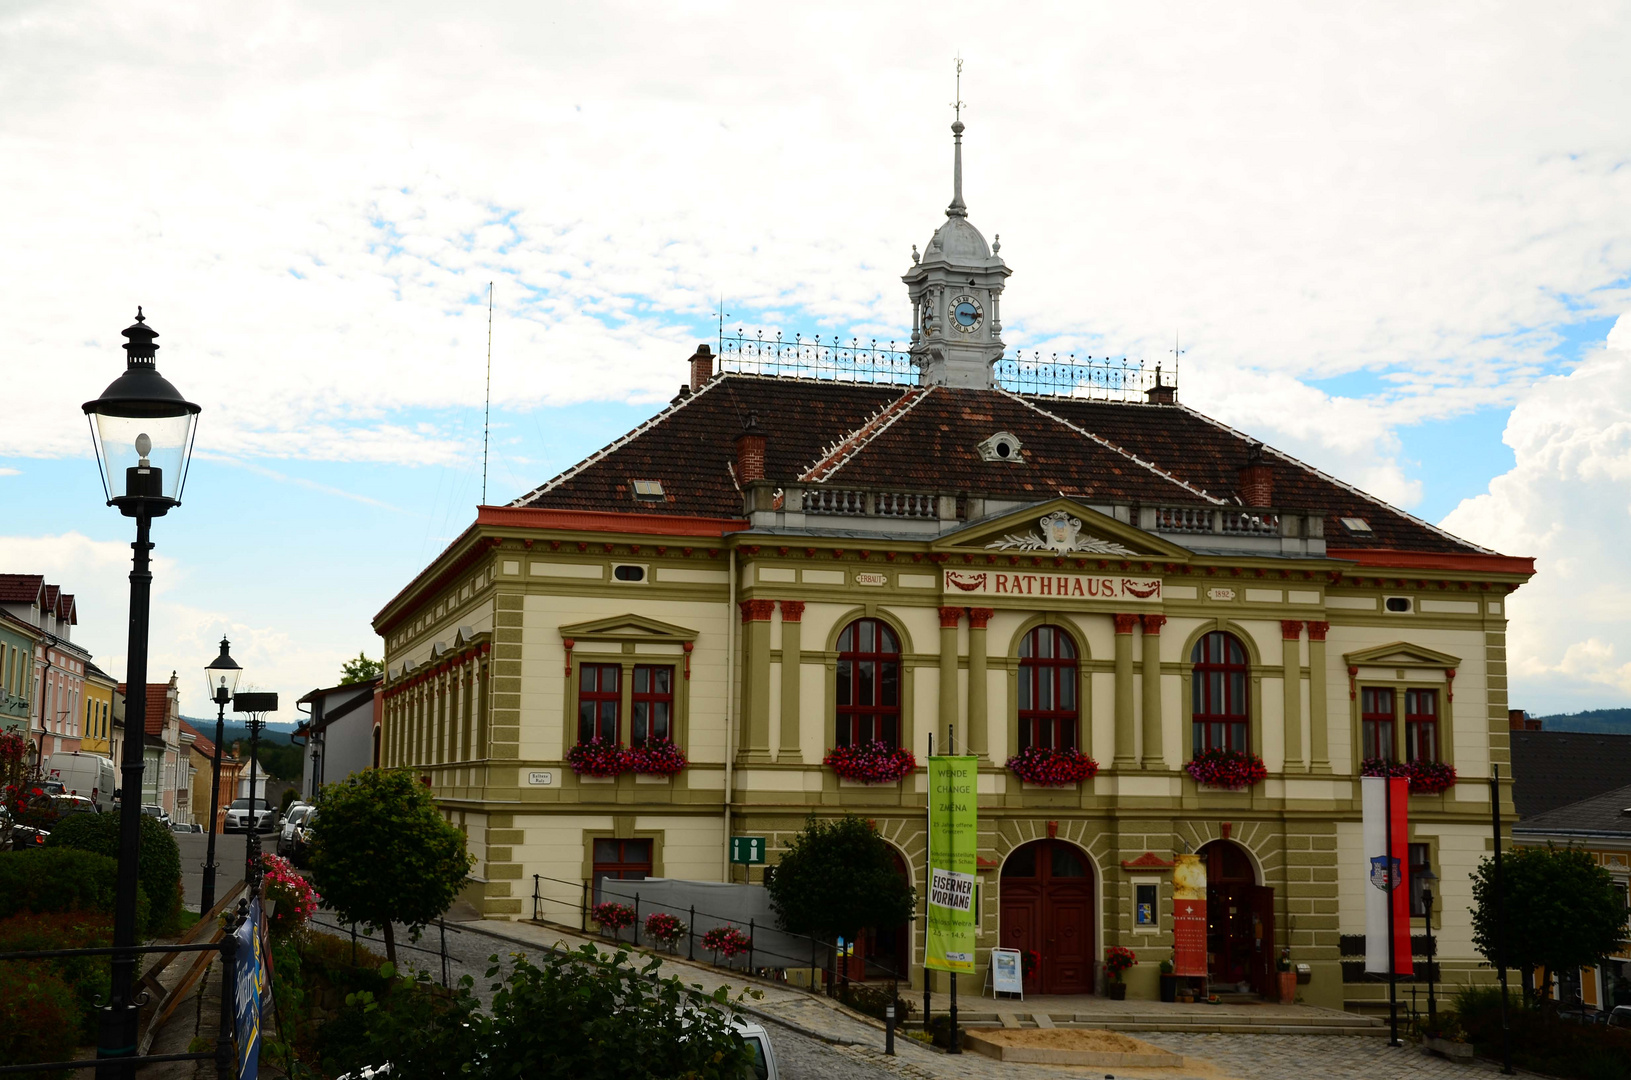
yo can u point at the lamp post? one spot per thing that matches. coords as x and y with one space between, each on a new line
252 842
143 431
222 675
1427 877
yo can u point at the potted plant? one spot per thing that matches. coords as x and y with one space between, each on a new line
665 930
598 758
658 757
870 763
726 939
1030 962
1116 962
612 917
1048 767
1169 982
1288 977
1448 1039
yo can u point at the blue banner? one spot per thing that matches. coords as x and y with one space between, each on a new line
254 989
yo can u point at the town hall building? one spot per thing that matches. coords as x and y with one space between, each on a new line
817 548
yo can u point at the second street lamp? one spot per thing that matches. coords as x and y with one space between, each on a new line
222 675
143 432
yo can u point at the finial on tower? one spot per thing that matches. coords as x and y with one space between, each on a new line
957 207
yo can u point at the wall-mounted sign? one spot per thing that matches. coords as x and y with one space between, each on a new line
541 779
748 850
1221 595
1054 586
871 577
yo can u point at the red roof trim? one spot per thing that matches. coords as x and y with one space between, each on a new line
526 517
1430 560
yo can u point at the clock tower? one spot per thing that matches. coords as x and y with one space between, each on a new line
955 287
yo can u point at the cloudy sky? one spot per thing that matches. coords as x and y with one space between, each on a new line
1393 239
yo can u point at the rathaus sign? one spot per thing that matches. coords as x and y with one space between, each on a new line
1070 586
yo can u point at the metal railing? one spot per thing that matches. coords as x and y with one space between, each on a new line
799 357
823 955
1104 378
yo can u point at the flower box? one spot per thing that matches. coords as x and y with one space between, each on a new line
1448 1048
658 757
870 763
1231 770
1426 777
598 758
1045 766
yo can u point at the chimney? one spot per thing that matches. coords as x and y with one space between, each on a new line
1256 479
1160 394
1518 720
702 367
750 451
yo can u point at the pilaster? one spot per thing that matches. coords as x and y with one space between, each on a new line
756 615
1154 757
1319 743
979 743
950 617
792 643
1124 758
1291 683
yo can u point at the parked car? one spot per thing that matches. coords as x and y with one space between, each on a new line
758 1040
238 816
291 825
301 850
182 826
42 815
1620 1017
153 810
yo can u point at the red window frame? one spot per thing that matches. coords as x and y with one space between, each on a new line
600 701
651 704
1421 719
619 860
1377 716
868 684
1048 704
1220 701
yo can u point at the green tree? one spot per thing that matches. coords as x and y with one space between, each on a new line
1560 910
837 878
382 853
359 670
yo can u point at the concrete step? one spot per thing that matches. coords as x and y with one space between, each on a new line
1234 1023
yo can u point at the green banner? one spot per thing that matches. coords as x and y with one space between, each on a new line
953 837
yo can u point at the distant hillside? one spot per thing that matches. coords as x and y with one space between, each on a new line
272 733
1593 721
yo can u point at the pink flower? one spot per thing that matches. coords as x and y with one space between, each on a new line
870 763
1229 769
1052 767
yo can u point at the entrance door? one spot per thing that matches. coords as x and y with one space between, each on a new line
886 949
1239 920
1047 914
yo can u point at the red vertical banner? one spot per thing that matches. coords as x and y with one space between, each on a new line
1399 849
1189 916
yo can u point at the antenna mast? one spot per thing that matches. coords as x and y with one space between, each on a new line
487 411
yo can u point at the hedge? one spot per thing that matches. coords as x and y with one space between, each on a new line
159 868
61 879
38 1015
89 977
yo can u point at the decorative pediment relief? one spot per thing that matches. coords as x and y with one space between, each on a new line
1401 654
1062 527
627 628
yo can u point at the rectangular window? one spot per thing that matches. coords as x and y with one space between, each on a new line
652 707
1146 906
600 695
1419 864
1376 720
620 860
1421 725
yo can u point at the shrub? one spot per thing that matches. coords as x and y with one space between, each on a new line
159 867
1544 1043
1117 960
39 1017
87 976
61 879
872 999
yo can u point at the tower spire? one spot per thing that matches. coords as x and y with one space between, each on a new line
957 207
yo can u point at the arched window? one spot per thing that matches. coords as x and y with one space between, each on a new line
868 684
1218 700
1047 689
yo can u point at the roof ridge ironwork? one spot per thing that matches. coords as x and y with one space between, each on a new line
859 439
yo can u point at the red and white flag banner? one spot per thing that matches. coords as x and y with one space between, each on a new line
1386 801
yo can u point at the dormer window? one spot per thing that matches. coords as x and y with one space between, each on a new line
647 490
1003 446
1357 525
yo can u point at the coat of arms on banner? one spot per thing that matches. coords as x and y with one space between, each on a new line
1060 533
1384 872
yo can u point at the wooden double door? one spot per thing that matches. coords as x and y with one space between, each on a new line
1239 921
1047 914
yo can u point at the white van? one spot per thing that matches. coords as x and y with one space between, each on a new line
90 775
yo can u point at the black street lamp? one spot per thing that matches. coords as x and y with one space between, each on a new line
143 432
252 842
222 675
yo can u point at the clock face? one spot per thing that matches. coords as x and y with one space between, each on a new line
966 314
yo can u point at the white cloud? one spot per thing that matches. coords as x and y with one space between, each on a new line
10 472
311 199
1567 501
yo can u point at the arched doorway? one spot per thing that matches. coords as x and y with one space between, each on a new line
886 951
1239 920
1047 909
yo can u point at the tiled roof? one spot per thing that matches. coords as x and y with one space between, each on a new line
205 746
1605 813
158 706
864 435
1551 769
21 588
